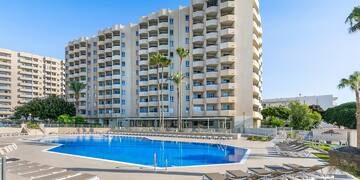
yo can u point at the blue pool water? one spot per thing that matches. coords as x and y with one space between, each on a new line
141 151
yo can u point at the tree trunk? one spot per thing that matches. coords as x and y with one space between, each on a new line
357 94
158 93
178 104
161 94
180 97
77 103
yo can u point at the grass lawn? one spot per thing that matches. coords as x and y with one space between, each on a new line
322 156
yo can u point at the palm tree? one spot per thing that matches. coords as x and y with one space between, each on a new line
155 60
77 86
164 62
354 20
177 79
182 53
354 83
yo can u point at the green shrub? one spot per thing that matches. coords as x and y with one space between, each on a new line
65 119
259 138
32 125
79 120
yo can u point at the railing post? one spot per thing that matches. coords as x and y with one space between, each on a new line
3 168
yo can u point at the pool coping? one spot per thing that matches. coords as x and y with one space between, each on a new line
47 150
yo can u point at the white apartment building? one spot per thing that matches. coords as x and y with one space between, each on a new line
324 101
222 88
25 76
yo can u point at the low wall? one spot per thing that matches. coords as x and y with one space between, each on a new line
345 156
9 130
261 131
66 130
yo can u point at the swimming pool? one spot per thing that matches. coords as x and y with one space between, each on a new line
144 152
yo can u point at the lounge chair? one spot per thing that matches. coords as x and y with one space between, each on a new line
214 176
237 174
61 175
42 173
259 171
83 177
278 169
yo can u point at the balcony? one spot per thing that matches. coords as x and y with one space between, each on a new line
198 101
227 59
163 25
256 102
198 2
116 38
256 65
257 17
198 26
227 19
143 31
228 72
228 86
256 77
143 52
143 62
143 93
153 71
153 82
198 88
230 99
153 28
153 93
198 39
153 39
198 14
227 5
256 53
256 90
257 29
211 10
163 36
213 74
153 49
143 103
213 100
212 113
227 45
143 41
198 51
116 48
198 76
163 47
257 115
227 113
143 83
212 61
212 36
143 73
198 63
116 57
213 87
212 48
256 41
227 32
211 23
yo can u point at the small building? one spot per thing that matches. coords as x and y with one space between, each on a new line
324 101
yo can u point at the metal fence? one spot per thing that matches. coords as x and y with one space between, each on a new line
76 125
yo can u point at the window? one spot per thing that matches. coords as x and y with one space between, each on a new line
171 43
137 33
187 98
123 83
94 61
123 102
95 69
187 29
187 63
187 17
122 54
171 32
122 35
187 87
171 21
171 88
186 40
187 74
94 52
171 55
122 64
171 98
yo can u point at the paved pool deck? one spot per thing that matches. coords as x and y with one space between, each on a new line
261 153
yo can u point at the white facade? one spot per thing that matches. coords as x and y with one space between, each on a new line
223 70
324 101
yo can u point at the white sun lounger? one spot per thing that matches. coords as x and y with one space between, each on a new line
84 177
42 173
61 175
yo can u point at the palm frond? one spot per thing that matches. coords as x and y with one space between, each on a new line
354 20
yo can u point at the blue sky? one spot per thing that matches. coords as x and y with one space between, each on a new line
307 48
